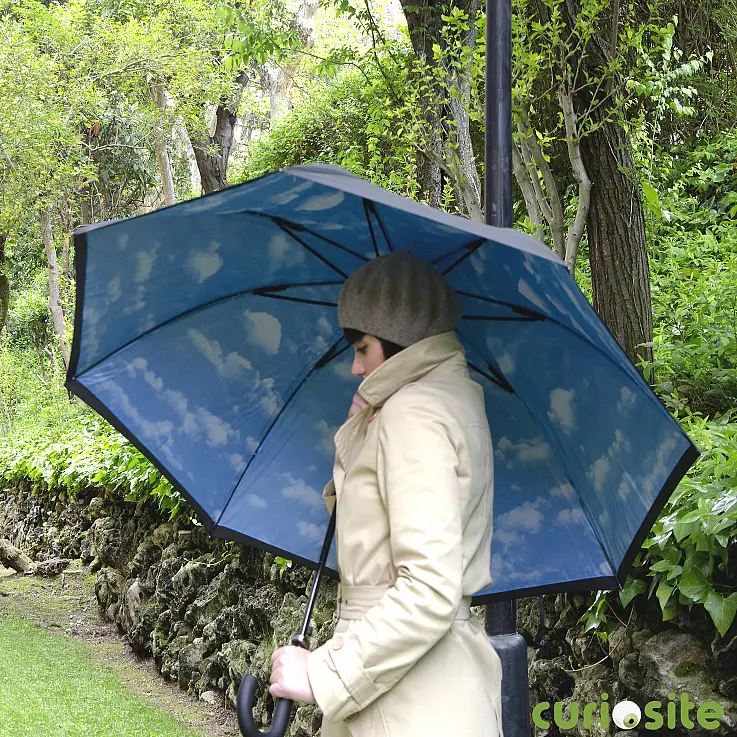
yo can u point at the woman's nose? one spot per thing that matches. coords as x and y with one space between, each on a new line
357 368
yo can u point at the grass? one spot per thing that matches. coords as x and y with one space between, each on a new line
49 687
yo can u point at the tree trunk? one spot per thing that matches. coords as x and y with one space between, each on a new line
162 153
617 248
44 217
282 81
13 558
424 24
616 221
212 152
4 284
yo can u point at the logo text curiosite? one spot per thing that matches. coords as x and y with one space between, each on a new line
677 710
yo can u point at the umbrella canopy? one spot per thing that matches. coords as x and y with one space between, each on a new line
207 334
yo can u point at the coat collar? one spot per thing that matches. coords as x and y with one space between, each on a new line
409 365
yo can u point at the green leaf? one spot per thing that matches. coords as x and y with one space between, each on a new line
694 585
664 593
722 610
632 587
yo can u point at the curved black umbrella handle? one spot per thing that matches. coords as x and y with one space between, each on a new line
247 689
246 700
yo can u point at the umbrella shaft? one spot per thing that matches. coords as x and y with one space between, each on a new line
306 628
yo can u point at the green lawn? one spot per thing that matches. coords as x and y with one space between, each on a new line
49 687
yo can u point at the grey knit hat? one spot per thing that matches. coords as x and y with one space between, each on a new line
400 298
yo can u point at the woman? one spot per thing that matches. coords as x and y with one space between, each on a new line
413 481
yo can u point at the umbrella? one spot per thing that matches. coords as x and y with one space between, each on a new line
207 334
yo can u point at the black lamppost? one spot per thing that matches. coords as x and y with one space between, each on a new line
501 617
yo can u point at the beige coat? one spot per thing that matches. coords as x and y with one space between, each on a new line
413 480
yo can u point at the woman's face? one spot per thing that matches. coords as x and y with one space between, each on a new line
369 355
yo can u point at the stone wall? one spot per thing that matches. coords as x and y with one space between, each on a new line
209 612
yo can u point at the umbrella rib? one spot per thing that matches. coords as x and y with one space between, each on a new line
474 244
372 208
497 377
371 228
526 311
465 256
288 231
297 299
323 360
203 306
299 227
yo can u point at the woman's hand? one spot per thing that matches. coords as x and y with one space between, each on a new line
359 403
289 679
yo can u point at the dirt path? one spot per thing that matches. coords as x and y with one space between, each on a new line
66 604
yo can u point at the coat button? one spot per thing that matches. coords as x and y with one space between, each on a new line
337 643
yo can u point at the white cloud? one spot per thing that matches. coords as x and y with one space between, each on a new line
342 368
256 501
324 326
626 401
177 400
572 517
327 434
314 532
123 241
252 444
527 291
231 365
526 451
599 471
144 264
601 468
114 290
284 198
605 568
237 461
284 251
477 262
217 431
506 364
659 470
204 264
321 202
565 491
160 432
263 330
625 488
561 408
512 527
300 490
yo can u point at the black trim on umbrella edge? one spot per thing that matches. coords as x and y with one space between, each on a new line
80 270
688 458
321 362
226 533
500 318
582 585
90 399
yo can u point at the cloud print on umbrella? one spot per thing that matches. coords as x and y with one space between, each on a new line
207 332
